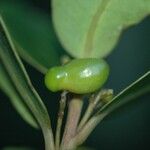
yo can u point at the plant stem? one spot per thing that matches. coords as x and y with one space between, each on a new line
60 119
95 101
74 112
92 103
49 139
83 134
87 114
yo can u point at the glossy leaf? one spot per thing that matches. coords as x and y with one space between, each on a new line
17 101
91 28
33 33
22 83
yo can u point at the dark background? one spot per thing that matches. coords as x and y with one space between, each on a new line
125 129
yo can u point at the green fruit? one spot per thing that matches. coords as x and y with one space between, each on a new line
79 76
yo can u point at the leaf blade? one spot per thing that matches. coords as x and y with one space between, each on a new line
8 57
33 34
139 87
15 99
94 27
21 81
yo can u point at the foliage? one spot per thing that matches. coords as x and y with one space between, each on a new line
90 29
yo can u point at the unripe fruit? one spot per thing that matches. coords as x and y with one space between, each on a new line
79 76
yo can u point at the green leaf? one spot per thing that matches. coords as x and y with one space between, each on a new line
33 34
136 89
22 83
7 86
91 28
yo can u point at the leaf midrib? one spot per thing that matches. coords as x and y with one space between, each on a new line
92 28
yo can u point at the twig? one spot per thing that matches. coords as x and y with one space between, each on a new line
94 101
83 134
88 112
48 138
62 106
74 112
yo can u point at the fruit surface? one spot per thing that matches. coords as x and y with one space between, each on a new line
79 76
